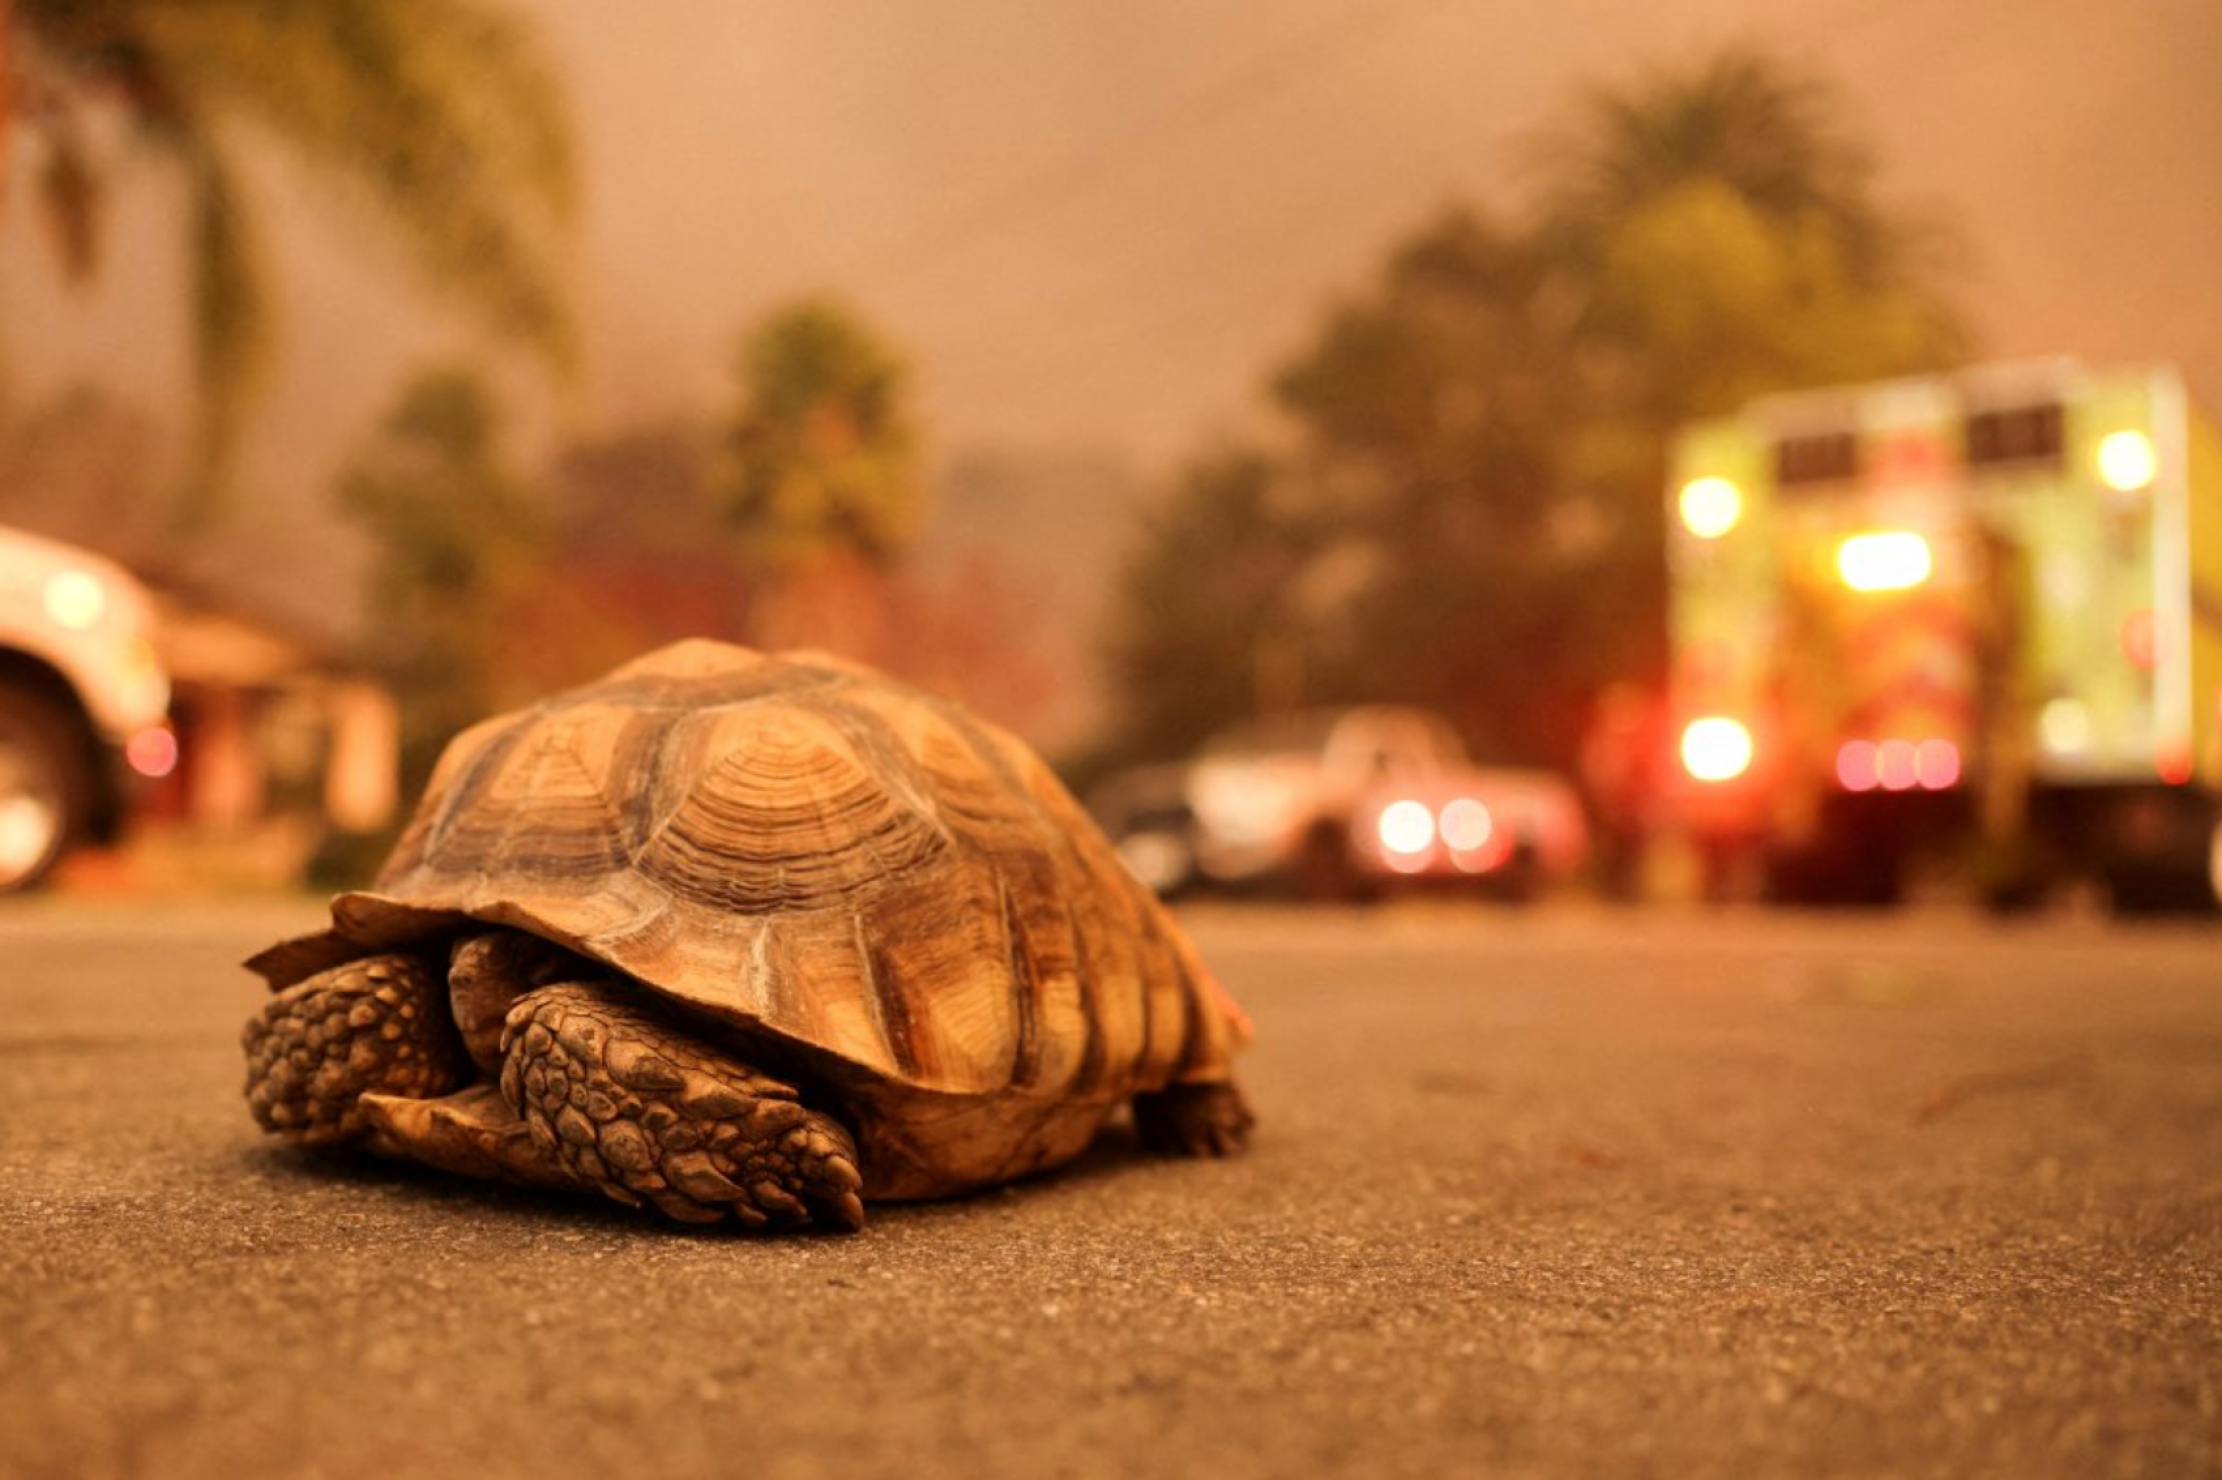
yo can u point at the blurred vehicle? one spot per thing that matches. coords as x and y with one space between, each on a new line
1971 618
82 702
1145 813
1338 802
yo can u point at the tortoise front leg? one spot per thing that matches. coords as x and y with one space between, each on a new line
646 1114
379 1024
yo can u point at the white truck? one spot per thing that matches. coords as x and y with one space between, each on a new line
1342 802
83 702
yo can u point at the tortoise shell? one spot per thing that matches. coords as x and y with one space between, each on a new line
894 890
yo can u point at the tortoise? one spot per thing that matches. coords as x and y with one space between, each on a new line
749 937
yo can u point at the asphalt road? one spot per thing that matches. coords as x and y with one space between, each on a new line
1567 1192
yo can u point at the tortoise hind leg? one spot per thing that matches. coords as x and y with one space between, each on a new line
647 1114
1209 1119
375 1025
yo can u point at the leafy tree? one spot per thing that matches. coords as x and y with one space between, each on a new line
1731 239
1204 599
456 587
439 114
1443 398
824 457
1488 419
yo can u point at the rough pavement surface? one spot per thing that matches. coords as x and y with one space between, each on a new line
1558 1193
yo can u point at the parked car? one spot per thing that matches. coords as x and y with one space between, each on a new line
1145 813
1338 802
82 701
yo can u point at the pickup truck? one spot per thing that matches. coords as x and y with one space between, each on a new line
1339 802
83 701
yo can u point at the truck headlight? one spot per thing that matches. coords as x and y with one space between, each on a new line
1406 828
76 599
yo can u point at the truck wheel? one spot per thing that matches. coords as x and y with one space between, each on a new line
2159 891
45 789
2158 853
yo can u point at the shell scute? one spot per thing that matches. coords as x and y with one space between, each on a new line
541 800
767 809
941 969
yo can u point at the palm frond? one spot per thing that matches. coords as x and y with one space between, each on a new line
439 113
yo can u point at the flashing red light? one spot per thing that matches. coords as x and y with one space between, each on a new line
2175 766
1898 765
1936 764
152 752
1855 765
1895 767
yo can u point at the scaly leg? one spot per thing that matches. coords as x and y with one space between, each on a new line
1194 1120
646 1113
379 1024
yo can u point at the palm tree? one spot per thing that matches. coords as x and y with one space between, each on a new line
1741 118
822 483
438 114
1729 237
824 456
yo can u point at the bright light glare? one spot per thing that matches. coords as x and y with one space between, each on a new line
1855 765
2174 764
152 752
1711 507
2127 461
1895 766
1716 748
1936 764
1898 765
1406 827
75 599
2065 727
1466 825
1892 561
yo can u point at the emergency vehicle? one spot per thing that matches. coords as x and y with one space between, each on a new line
1971 620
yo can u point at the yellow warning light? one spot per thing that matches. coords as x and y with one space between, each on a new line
1711 507
1716 748
1895 560
2127 461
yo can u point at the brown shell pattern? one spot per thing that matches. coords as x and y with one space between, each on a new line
801 846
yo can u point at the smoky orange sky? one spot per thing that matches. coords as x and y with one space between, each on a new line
1099 224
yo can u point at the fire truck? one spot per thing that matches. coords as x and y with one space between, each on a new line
1960 626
